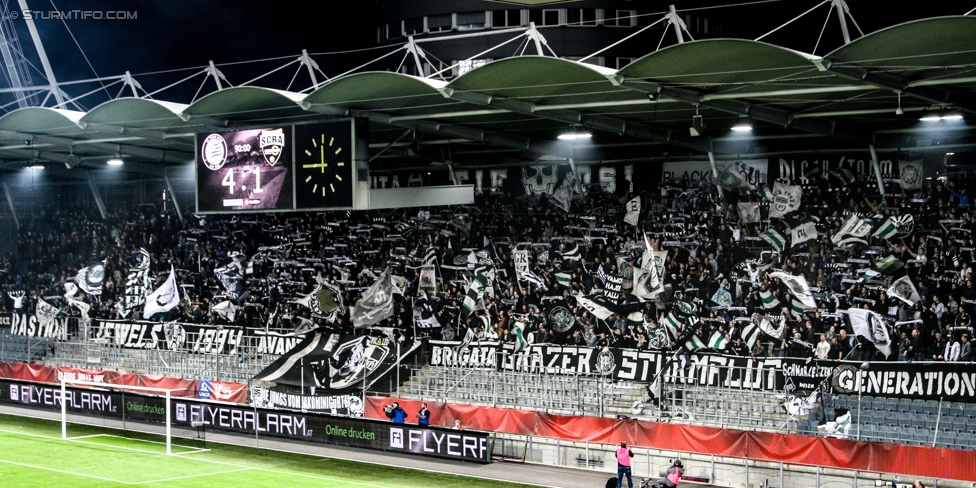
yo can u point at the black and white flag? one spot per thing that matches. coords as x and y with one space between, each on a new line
232 279
910 174
633 208
90 279
376 303
802 234
164 298
137 282
904 290
325 301
784 199
871 326
854 230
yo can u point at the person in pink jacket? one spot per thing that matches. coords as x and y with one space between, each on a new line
624 454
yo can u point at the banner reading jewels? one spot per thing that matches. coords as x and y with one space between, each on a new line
927 381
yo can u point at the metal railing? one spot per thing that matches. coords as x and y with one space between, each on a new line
23 349
554 393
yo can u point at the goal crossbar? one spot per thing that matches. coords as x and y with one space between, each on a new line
167 392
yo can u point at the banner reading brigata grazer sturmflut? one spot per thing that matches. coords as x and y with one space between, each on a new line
927 381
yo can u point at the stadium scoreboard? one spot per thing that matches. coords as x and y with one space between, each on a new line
276 168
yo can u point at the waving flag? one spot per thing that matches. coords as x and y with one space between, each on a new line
164 298
749 212
904 290
896 226
871 326
376 302
775 239
798 287
854 230
90 279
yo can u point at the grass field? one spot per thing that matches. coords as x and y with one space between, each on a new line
32 454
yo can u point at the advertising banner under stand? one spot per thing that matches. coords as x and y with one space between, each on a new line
96 403
438 442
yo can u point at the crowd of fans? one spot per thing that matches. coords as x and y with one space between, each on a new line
707 244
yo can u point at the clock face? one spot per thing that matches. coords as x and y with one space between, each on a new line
323 165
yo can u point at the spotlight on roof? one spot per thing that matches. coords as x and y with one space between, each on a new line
36 166
742 126
941 116
899 111
697 126
572 136
114 162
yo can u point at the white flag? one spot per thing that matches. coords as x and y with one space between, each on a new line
854 230
784 199
164 298
798 287
802 233
90 279
633 211
904 290
226 309
871 326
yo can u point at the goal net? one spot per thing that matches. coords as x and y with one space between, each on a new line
123 407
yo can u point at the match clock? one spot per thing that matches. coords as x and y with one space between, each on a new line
324 165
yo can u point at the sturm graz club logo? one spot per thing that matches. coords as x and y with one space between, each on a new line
784 200
561 319
879 333
605 364
657 338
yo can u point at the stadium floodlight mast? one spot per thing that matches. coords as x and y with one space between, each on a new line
111 386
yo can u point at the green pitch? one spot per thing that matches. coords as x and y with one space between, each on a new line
33 454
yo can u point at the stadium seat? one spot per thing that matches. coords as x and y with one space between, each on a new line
904 405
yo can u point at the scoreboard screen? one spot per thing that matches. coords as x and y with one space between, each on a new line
258 170
245 170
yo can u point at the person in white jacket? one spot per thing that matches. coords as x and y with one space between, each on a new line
952 349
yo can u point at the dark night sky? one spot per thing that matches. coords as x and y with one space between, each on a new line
183 34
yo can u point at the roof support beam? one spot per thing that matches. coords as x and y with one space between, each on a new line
764 113
931 94
98 196
10 202
510 141
606 123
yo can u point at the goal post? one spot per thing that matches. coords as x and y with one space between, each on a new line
166 393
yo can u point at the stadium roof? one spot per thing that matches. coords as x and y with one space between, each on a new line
511 111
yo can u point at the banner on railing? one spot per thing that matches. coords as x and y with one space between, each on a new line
914 380
334 362
345 405
204 339
28 325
